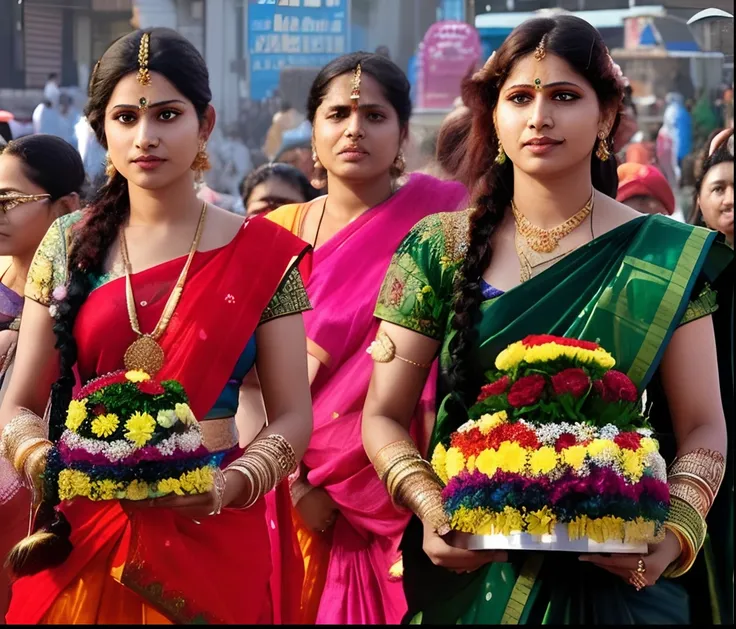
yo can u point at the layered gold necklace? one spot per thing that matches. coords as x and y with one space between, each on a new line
145 353
534 244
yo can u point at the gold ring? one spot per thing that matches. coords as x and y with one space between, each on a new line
637 580
641 567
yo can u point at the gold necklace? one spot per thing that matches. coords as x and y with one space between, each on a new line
145 353
547 240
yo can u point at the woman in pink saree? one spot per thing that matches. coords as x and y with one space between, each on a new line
348 528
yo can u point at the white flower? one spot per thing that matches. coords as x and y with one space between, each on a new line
166 419
467 426
609 431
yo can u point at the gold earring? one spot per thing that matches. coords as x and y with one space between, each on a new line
110 169
602 152
318 174
201 161
501 157
399 164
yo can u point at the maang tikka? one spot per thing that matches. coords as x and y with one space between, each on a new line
355 85
144 74
540 53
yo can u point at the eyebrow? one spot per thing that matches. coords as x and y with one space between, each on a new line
159 104
719 182
555 84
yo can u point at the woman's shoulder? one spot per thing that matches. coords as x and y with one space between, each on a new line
289 216
449 230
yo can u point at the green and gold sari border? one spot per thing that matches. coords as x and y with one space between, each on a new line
672 306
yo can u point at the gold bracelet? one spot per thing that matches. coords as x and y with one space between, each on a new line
393 453
24 426
25 449
690 527
244 471
423 495
696 477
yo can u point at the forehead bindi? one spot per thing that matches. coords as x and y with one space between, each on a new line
551 69
338 94
129 91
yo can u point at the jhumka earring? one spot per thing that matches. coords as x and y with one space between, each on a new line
110 169
318 174
602 152
201 162
399 164
144 75
501 156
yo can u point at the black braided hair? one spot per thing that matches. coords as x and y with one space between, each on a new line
174 57
492 184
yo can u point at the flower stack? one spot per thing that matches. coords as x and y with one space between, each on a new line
557 444
128 436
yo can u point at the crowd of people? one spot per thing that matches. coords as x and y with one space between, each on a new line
341 329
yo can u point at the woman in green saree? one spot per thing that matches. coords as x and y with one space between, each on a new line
526 260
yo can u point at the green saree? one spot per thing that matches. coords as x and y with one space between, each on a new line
629 290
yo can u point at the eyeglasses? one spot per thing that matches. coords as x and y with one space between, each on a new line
10 200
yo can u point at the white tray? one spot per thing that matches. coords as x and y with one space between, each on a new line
558 541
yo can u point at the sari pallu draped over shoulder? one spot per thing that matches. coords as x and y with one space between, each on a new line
217 571
627 290
348 578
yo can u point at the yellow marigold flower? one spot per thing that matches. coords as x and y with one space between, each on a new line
512 457
170 486
137 490
511 356
197 481
79 483
576 528
140 428
647 444
185 415
105 425
76 414
598 446
137 375
106 489
65 485
166 419
471 463
454 462
545 353
488 422
470 520
438 462
640 530
488 462
543 460
574 456
632 463
540 522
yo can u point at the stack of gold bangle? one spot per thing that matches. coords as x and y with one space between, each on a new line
412 483
694 480
265 464
24 443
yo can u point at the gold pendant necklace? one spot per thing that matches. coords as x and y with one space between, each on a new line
145 353
547 240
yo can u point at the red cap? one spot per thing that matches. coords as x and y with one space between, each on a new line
644 180
6 116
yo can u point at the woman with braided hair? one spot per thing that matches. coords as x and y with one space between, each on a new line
124 286
545 249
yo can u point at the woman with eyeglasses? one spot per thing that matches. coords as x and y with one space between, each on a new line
273 185
41 178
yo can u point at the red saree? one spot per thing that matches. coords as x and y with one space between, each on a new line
217 571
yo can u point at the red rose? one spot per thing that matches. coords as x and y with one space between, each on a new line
526 391
494 388
542 339
150 387
572 381
628 440
99 409
616 387
565 440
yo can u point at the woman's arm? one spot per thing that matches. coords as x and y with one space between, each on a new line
689 372
395 390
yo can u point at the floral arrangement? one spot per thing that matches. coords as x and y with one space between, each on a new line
128 436
555 437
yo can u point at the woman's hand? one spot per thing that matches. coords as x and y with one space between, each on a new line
660 556
318 510
8 341
457 559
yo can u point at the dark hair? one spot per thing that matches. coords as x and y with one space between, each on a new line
451 139
492 185
393 81
50 162
721 155
180 62
286 172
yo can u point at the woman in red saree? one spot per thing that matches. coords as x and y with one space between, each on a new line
177 559
348 529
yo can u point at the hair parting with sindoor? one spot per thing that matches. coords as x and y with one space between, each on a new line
175 58
492 185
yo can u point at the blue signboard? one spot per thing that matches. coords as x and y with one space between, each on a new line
292 33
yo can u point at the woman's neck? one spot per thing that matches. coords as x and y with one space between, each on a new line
17 273
548 203
349 199
177 203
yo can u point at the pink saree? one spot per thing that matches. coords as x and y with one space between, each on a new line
343 287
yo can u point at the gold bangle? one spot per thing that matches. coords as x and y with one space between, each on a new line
708 466
383 350
423 495
244 471
687 553
691 495
690 528
24 426
391 454
25 449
